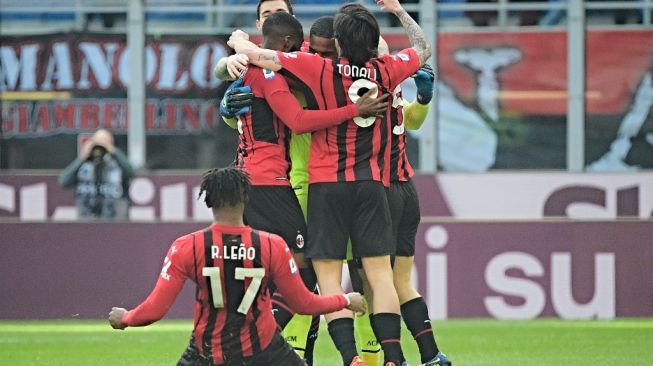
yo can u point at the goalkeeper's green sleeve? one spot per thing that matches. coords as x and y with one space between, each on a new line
415 114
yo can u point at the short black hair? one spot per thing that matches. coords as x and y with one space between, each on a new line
322 27
224 187
258 7
280 25
357 32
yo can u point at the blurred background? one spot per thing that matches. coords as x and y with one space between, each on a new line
534 168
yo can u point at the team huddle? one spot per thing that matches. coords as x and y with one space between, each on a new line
321 176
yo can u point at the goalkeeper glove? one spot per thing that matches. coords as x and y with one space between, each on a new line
236 100
424 81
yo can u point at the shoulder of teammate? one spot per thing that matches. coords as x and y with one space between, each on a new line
265 82
276 243
401 65
296 61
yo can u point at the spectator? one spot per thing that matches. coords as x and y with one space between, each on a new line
528 17
108 19
101 176
623 16
481 18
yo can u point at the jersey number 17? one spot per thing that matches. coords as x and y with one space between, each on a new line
256 274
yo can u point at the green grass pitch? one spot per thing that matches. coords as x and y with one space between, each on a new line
473 342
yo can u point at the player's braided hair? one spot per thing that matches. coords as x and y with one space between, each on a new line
224 187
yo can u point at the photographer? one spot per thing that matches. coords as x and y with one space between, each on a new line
101 176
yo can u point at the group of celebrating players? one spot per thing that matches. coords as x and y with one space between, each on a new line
322 164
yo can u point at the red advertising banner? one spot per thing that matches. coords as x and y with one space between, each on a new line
532 67
181 88
78 82
501 99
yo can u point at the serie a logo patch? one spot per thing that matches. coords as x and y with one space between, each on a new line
293 266
268 74
404 56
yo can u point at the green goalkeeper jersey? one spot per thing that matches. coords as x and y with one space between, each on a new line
299 151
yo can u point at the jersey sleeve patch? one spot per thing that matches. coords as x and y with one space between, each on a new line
268 74
164 271
293 267
404 57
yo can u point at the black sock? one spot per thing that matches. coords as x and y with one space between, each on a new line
310 340
342 334
309 278
416 316
281 310
387 327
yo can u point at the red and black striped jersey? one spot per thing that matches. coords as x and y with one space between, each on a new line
232 267
400 168
359 148
264 131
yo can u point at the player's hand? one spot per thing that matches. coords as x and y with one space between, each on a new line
242 45
369 106
424 81
356 303
237 100
115 318
236 64
389 6
239 34
236 37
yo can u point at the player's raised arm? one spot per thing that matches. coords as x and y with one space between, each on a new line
415 112
415 33
263 58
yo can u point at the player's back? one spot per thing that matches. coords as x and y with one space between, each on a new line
400 169
233 313
264 139
355 150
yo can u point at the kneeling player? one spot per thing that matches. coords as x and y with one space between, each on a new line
232 265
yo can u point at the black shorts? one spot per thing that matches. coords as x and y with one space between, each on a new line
278 353
275 209
404 210
356 210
